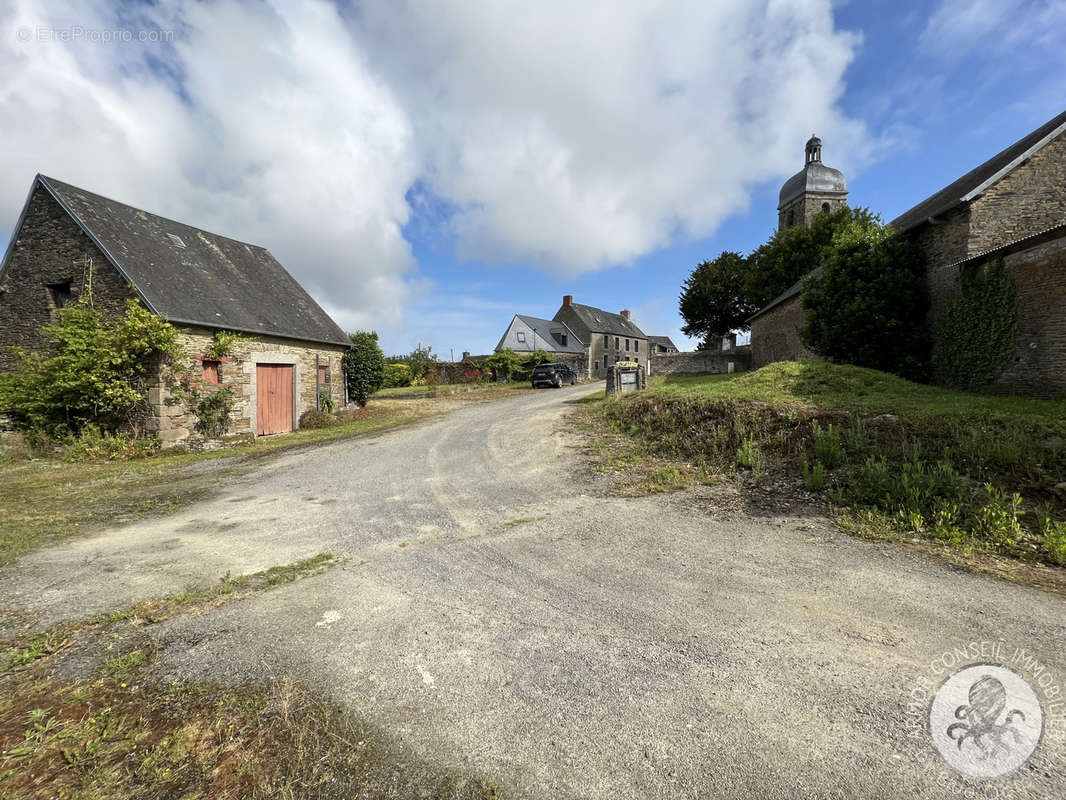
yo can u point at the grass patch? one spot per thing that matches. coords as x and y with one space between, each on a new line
124 732
492 390
974 472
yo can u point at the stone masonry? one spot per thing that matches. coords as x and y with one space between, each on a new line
51 250
175 422
702 362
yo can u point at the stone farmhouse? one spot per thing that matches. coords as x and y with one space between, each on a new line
1010 208
69 242
585 338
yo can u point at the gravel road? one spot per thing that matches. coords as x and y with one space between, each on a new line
500 616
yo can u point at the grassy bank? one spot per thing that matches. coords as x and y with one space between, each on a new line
84 714
46 500
975 472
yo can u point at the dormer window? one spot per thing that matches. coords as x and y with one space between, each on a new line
61 293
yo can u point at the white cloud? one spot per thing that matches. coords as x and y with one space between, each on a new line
581 136
260 123
568 136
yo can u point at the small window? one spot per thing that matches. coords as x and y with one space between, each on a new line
825 207
596 364
61 293
791 218
520 335
212 372
616 347
606 342
627 345
562 339
175 240
636 345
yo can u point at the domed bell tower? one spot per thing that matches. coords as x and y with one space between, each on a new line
812 190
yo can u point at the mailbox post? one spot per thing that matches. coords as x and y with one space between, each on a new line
625 376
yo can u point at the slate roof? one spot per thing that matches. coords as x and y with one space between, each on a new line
212 280
663 340
815 177
978 179
600 321
552 328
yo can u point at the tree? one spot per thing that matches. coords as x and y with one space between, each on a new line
94 370
421 360
793 252
504 364
713 302
364 366
868 306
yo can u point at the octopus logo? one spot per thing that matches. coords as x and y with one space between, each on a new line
986 720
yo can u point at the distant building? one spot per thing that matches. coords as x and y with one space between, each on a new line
609 337
661 345
526 334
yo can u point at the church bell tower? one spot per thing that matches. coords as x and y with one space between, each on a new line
812 190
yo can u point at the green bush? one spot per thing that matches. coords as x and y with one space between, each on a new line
213 409
868 306
94 370
749 455
313 419
91 444
364 366
504 364
396 374
1054 540
827 445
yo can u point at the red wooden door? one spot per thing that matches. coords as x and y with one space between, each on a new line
274 398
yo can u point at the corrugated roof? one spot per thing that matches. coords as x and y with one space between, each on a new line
978 179
192 276
599 321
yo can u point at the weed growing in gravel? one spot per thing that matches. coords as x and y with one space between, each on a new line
749 456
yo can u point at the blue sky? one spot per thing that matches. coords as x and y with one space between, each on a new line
429 169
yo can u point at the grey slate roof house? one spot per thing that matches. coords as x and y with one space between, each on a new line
69 241
526 334
609 337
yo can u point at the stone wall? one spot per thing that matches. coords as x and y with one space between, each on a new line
50 249
1038 366
702 362
175 422
805 207
1030 199
775 335
944 243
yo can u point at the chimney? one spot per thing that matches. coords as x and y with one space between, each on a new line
568 299
625 313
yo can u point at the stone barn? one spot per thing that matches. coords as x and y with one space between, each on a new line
69 241
1011 208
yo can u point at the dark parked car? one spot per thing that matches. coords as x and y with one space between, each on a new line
553 375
